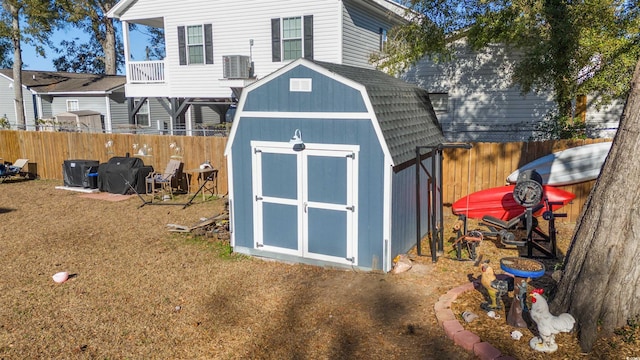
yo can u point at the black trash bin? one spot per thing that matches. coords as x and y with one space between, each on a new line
90 179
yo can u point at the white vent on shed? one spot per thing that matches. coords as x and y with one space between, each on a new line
236 66
300 85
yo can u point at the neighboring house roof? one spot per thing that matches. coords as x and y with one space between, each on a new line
403 110
50 82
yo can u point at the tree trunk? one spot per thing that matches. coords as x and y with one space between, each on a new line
600 286
109 40
109 48
17 66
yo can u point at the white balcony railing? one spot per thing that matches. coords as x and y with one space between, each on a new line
145 72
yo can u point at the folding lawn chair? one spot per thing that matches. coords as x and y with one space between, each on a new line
161 184
7 171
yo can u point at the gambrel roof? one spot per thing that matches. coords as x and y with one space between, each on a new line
403 110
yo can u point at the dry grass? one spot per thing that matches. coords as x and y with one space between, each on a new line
141 292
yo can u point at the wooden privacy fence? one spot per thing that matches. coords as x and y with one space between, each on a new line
484 166
487 165
49 150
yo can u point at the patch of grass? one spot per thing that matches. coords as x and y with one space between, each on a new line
221 248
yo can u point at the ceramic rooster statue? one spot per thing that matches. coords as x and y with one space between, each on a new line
495 288
548 325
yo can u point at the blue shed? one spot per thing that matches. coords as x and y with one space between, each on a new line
322 166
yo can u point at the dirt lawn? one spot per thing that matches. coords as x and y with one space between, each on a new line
137 291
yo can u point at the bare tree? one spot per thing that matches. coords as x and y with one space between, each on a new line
600 285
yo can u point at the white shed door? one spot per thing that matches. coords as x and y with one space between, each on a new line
305 201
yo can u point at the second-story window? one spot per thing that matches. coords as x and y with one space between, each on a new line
73 105
195 44
292 38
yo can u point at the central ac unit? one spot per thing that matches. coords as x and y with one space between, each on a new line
236 66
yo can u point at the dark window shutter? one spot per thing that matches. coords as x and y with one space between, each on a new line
182 46
308 37
208 44
275 40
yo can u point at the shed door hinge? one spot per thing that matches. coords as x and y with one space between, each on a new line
352 208
256 150
258 198
351 259
258 245
352 155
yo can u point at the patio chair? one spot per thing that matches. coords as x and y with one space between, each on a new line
10 170
161 184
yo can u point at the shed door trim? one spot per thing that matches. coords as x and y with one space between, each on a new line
291 213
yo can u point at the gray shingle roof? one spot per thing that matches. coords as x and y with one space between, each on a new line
403 110
64 82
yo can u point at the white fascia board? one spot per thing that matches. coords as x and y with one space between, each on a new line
393 7
117 10
309 115
62 93
387 215
231 198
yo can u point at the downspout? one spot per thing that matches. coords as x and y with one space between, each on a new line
107 120
34 100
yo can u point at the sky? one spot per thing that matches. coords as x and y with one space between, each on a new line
33 61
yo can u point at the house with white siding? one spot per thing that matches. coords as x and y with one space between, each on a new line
49 94
475 100
214 49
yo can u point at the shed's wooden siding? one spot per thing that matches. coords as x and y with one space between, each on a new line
328 97
404 219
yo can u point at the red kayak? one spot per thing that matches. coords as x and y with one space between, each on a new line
499 202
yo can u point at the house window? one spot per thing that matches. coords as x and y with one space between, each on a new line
439 101
73 105
292 38
195 44
142 116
